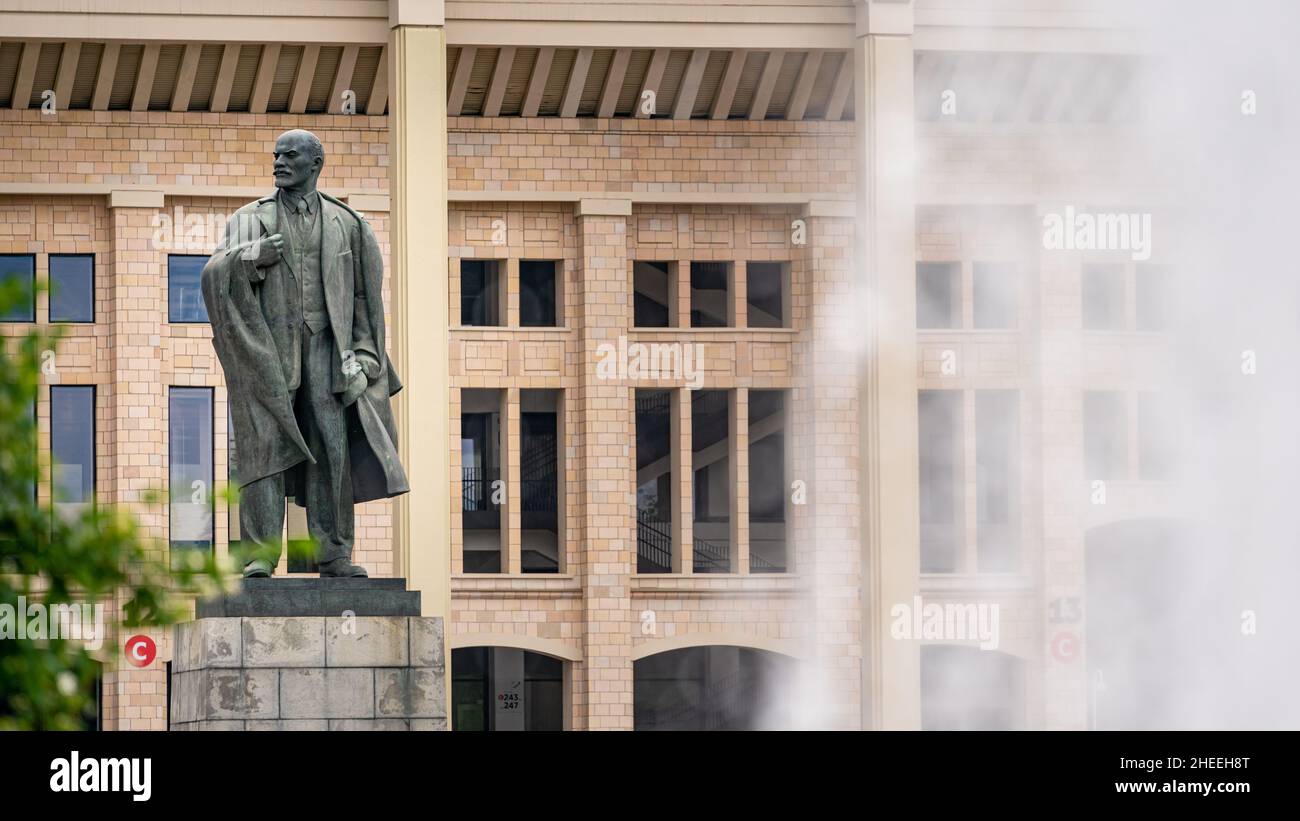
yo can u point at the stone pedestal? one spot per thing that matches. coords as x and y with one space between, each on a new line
310 654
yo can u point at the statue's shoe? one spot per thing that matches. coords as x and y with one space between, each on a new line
258 569
342 568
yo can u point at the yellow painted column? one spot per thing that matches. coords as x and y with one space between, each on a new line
417 133
886 276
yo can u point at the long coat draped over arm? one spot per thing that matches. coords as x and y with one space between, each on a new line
258 344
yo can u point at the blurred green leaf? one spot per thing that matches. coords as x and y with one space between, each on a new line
97 557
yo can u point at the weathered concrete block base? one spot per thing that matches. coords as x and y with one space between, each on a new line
309 673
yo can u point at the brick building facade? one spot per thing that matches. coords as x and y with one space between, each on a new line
774 202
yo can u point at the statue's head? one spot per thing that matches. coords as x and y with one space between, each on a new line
299 158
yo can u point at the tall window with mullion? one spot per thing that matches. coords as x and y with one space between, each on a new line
72 448
938 295
995 294
939 452
654 293
767 488
481 292
711 464
711 294
538 294
18 287
997 480
72 288
540 481
654 481
767 294
1103 297
190 468
482 485
184 295
1105 435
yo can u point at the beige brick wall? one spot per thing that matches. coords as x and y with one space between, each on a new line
183 149
1051 361
591 611
559 154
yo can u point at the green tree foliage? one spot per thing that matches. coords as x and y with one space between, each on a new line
50 559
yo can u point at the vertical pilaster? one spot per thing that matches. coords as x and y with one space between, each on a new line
681 316
738 465
417 55
135 698
827 518
739 306
681 443
967 482
511 465
886 255
1066 483
510 288
606 467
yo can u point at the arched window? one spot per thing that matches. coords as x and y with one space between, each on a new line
966 688
712 688
503 688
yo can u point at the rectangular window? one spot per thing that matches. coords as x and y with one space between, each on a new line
537 294
72 448
710 294
1105 435
539 477
481 454
654 291
654 482
939 423
767 486
1103 297
767 294
997 480
1151 295
994 287
480 292
711 463
72 288
184 295
938 290
189 449
1157 438
17 288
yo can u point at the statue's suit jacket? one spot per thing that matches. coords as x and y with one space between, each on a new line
258 342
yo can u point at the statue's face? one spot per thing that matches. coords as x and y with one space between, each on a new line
296 167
